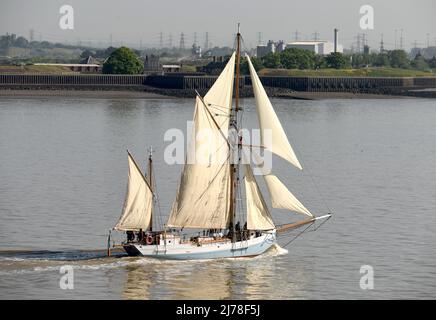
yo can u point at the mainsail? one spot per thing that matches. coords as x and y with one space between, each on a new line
203 197
258 216
269 122
138 204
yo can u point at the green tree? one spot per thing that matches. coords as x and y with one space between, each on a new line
432 62
319 61
398 59
123 61
381 60
419 62
336 60
294 58
271 60
357 60
256 62
21 42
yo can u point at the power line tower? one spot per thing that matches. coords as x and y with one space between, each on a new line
395 42
195 38
170 40
315 35
206 41
259 38
428 40
382 49
401 39
358 43
296 35
31 35
182 41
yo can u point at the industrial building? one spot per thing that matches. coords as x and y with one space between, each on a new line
322 47
263 50
280 46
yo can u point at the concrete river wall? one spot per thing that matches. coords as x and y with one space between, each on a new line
189 83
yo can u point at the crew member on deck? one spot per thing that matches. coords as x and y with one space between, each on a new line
238 226
238 231
130 236
140 235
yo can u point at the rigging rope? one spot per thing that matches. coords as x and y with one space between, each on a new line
305 229
299 234
306 168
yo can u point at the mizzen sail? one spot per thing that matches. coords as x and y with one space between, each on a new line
269 122
138 204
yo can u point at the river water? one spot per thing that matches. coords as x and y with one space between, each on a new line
63 174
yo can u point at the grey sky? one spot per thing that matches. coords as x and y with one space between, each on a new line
132 20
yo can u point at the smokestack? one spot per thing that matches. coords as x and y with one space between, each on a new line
336 40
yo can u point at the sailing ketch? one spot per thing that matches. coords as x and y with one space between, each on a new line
208 190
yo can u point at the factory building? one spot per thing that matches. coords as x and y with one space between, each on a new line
196 51
319 47
152 64
280 46
263 50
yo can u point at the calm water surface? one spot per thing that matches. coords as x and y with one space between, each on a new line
63 172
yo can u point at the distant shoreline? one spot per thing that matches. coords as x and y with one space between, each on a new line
185 86
81 94
170 94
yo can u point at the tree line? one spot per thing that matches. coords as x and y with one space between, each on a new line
294 58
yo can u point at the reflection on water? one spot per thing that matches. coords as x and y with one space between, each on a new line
138 282
248 278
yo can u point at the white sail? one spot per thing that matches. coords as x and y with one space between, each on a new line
269 122
282 198
138 204
219 97
203 197
258 215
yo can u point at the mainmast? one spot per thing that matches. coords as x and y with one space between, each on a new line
150 180
234 167
238 60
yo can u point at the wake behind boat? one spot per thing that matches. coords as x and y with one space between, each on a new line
210 197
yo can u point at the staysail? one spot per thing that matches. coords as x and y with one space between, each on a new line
258 215
203 196
282 198
138 204
269 122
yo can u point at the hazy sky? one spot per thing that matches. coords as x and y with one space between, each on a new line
130 21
